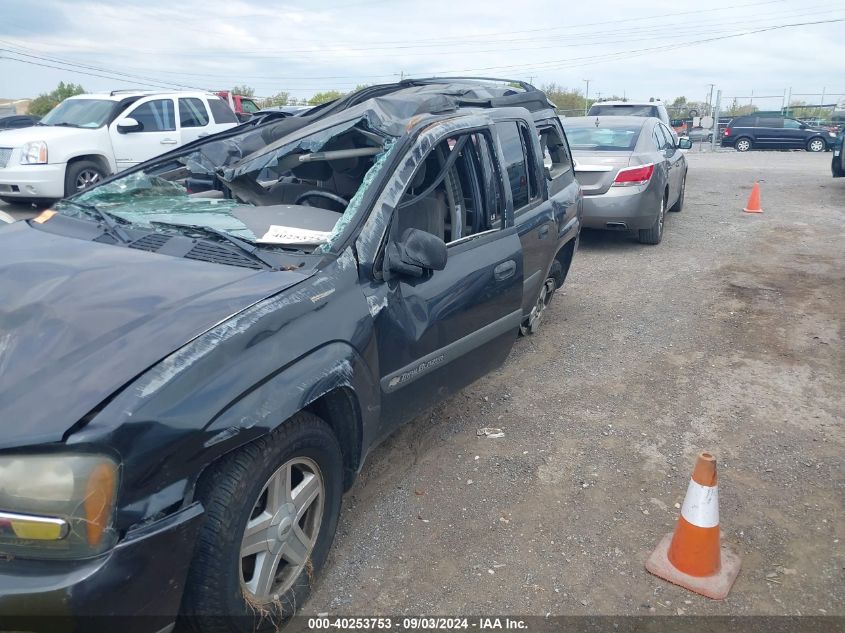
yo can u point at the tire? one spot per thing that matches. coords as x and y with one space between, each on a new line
816 145
19 202
532 323
743 144
679 204
81 175
654 235
222 589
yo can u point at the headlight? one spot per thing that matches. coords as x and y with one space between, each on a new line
34 153
833 134
57 505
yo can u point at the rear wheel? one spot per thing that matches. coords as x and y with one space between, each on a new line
271 513
816 145
743 144
532 323
654 234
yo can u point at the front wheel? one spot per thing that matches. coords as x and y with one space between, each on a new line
816 145
679 205
271 512
81 175
532 323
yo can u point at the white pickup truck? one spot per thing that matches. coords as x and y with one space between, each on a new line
88 137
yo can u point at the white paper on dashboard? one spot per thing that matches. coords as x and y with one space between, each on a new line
292 235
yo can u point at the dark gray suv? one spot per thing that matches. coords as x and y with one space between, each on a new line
772 131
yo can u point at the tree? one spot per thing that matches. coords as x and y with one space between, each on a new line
278 99
323 97
567 101
244 91
738 110
45 102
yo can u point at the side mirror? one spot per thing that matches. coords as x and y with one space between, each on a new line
684 143
128 125
415 253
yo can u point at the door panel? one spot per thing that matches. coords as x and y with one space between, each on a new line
532 211
194 121
158 133
437 334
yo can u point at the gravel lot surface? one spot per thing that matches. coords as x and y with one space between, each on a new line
726 337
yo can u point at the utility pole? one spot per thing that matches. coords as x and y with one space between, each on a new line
587 97
714 139
710 100
788 101
822 100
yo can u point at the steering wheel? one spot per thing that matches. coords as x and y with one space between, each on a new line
316 193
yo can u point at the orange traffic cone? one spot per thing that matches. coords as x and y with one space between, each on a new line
753 205
692 556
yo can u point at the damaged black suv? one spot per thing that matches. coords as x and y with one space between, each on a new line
197 355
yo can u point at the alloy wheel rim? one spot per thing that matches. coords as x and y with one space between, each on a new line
542 302
282 530
743 145
816 146
86 178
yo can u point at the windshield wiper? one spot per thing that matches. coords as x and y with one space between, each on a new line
250 249
106 218
62 124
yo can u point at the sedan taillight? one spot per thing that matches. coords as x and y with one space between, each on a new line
634 175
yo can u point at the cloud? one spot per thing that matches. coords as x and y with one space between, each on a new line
303 47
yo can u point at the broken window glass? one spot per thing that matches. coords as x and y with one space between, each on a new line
259 186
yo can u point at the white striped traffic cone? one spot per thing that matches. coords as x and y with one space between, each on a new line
692 557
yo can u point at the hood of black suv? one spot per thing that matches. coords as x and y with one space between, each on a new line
79 320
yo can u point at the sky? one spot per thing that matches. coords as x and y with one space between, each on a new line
639 49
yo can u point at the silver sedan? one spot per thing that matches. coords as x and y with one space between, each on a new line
631 171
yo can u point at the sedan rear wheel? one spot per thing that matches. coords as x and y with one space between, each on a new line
654 234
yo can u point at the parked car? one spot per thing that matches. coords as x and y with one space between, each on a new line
244 107
220 364
700 134
631 172
771 131
88 137
652 108
837 162
17 121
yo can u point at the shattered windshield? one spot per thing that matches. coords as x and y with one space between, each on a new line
256 186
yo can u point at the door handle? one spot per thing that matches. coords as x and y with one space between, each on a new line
504 270
168 141
544 231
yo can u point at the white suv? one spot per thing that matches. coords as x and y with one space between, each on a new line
654 108
86 138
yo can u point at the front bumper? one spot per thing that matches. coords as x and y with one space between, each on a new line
32 181
135 588
622 209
